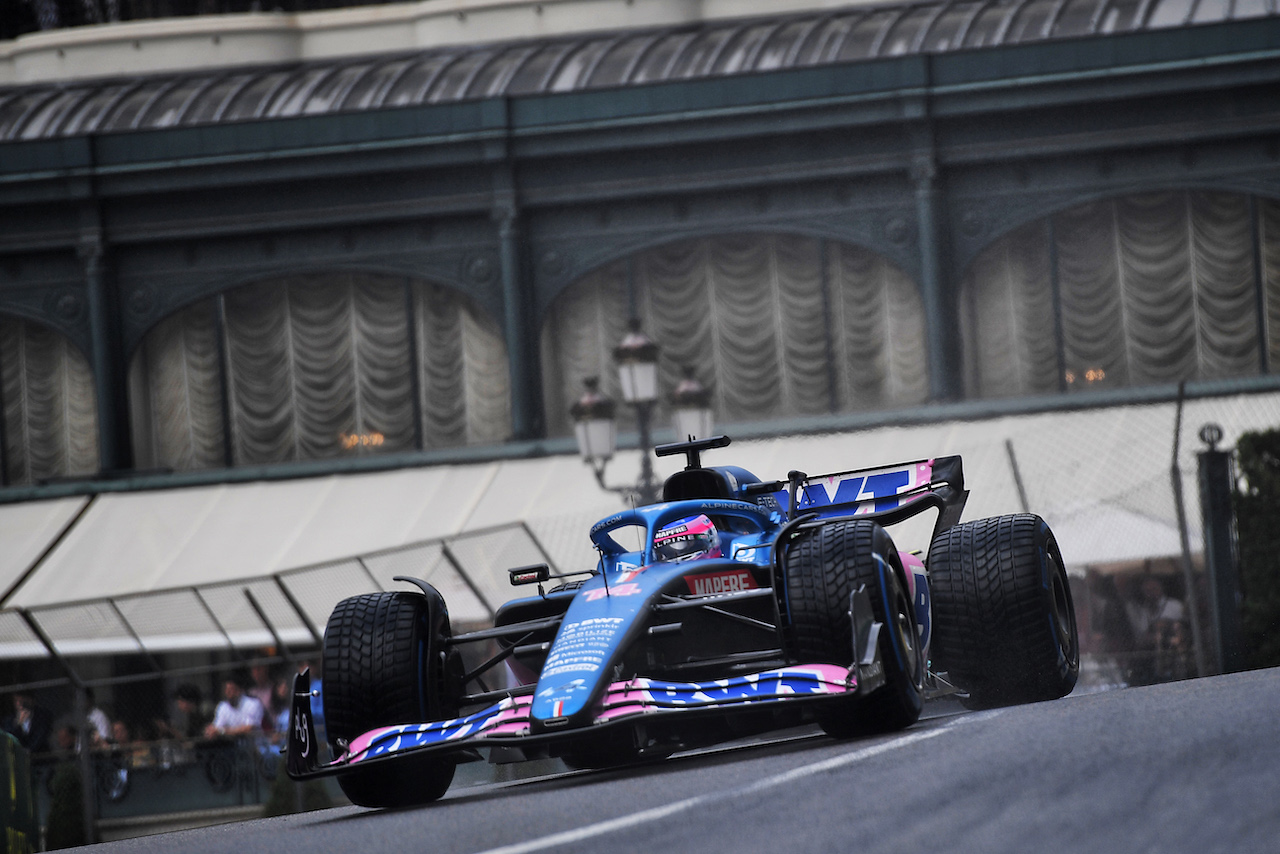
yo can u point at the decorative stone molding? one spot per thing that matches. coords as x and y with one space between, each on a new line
265 38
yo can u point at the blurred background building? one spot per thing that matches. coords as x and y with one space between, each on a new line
295 298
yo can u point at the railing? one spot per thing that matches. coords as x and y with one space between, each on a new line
146 778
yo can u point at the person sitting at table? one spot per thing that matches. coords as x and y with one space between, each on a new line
237 714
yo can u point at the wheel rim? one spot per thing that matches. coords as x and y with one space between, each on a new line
904 630
1063 619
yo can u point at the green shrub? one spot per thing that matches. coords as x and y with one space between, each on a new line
66 808
1257 508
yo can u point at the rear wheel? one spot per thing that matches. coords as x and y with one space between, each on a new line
385 663
1004 622
823 569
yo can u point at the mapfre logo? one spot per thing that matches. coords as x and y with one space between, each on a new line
721 582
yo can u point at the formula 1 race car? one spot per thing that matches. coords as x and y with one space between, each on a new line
744 606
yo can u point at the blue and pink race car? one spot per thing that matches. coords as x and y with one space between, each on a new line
732 607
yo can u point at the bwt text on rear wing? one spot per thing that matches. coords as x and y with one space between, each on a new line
886 494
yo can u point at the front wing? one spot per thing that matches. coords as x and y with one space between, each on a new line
506 723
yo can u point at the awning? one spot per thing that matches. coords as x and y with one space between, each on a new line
27 531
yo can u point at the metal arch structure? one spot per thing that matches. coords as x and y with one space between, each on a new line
884 226
493 176
470 271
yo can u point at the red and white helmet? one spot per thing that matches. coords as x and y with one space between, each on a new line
692 537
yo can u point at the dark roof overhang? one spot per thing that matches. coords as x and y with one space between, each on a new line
598 61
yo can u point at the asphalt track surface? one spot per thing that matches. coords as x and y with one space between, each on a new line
1182 768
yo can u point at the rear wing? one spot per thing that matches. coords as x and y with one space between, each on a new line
887 495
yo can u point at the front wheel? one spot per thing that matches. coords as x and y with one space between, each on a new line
385 663
823 569
1004 622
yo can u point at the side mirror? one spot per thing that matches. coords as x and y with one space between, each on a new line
534 573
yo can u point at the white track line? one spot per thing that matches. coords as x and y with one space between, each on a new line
568 837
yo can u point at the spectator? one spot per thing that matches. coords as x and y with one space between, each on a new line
1113 635
65 739
284 701
30 724
130 751
188 719
1156 619
237 714
99 723
263 690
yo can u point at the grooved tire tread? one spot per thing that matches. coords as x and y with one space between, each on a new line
823 569
993 612
375 675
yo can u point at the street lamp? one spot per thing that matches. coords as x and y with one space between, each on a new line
637 358
593 414
691 408
594 427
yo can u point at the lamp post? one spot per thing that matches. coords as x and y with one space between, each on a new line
691 408
593 414
594 427
637 358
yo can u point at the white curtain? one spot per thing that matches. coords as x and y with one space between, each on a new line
465 384
882 351
50 413
1010 317
321 366
749 314
176 386
1153 288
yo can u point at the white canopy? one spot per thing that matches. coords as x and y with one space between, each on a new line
27 530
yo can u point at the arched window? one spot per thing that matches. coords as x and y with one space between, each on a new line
1139 290
319 367
775 325
50 418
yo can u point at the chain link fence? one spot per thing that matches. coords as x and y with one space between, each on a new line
1120 489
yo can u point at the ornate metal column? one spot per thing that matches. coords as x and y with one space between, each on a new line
935 284
1216 472
115 451
518 321
527 420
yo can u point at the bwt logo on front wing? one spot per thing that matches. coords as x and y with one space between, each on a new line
720 582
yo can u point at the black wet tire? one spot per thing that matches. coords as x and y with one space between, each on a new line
1004 626
823 568
385 664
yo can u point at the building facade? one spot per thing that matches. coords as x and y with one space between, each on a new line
383 258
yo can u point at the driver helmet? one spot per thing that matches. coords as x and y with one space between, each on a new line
687 538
